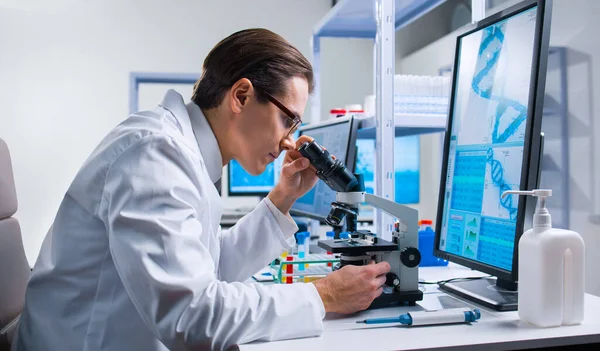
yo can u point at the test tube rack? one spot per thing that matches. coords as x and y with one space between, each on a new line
307 269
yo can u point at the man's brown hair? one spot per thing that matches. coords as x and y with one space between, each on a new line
261 56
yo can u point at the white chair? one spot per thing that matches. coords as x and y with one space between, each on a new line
14 268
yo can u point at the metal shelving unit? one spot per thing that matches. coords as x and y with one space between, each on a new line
378 20
358 19
406 124
555 158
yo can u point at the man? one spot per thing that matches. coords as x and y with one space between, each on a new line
135 259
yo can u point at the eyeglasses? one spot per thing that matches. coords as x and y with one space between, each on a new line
295 119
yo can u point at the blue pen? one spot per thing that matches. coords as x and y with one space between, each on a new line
455 315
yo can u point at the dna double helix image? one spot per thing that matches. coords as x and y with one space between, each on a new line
482 84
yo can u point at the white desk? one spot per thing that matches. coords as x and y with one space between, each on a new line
494 331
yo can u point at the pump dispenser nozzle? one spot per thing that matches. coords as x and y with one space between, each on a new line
542 217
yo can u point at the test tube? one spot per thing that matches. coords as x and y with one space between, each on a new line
307 244
289 269
330 236
307 247
301 238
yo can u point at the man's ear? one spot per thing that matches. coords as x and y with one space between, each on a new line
240 94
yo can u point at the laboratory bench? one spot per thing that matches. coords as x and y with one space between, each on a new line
493 331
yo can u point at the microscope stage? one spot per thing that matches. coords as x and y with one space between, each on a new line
356 246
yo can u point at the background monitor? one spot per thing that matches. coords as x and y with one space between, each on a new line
406 167
338 136
492 144
242 183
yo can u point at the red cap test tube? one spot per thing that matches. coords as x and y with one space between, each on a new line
289 269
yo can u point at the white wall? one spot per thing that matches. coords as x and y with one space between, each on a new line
574 25
346 72
64 70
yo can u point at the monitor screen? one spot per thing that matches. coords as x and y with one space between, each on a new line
487 140
335 136
406 167
242 183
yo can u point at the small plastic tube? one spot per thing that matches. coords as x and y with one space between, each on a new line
289 270
301 238
330 236
307 244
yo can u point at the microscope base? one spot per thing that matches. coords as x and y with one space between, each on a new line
397 298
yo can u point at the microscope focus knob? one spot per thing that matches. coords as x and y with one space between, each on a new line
392 280
410 257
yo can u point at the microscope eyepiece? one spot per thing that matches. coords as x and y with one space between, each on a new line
333 172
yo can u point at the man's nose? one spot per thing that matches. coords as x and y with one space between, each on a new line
288 143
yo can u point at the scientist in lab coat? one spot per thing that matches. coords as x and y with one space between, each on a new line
135 258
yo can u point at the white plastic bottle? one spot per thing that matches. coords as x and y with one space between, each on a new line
551 270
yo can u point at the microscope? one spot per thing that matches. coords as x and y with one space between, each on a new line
402 253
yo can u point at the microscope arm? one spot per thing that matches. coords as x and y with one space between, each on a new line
404 261
408 243
407 215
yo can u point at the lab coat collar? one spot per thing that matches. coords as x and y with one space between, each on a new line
173 102
209 147
195 126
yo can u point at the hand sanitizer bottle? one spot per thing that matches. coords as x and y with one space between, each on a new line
551 270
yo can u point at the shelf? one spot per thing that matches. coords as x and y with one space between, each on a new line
549 165
356 18
552 107
406 124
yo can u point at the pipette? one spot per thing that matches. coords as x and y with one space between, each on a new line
455 315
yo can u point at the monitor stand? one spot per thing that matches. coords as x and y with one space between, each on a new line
500 295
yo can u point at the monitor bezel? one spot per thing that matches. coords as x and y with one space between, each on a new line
532 129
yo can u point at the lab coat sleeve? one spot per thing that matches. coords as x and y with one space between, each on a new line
149 206
255 241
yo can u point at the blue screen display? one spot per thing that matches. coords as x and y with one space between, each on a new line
244 183
406 167
335 139
491 95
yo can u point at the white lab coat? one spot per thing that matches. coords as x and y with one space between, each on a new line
135 259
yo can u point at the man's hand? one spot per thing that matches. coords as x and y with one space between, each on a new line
352 288
296 179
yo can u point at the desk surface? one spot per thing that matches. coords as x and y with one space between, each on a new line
494 331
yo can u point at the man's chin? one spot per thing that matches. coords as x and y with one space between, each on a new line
258 170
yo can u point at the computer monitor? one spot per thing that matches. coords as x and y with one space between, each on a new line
406 167
338 136
242 183
492 144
